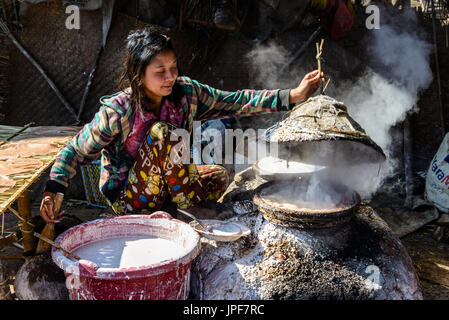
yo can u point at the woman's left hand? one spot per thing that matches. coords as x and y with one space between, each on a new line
309 84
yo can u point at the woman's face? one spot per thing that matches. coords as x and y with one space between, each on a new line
160 75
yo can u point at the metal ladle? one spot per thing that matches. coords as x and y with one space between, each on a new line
204 226
215 225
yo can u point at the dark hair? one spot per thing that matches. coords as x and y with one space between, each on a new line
141 47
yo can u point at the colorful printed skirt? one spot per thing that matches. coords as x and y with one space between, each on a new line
164 167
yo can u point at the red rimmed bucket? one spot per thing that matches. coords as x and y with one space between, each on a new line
167 280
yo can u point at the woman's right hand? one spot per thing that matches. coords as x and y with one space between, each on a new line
47 208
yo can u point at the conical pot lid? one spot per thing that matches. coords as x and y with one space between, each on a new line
320 131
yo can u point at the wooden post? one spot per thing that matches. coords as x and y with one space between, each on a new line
437 67
409 183
27 230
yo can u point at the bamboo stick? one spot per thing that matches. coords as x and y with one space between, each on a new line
17 133
17 214
57 246
319 50
324 89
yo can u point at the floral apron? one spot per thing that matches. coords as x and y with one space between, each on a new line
159 172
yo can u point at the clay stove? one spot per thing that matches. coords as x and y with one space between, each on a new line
288 203
322 245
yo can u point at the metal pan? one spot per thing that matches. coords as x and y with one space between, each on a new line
265 172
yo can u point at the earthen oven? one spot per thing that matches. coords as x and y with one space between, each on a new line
312 236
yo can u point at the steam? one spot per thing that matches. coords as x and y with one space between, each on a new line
382 98
310 193
389 90
265 61
387 93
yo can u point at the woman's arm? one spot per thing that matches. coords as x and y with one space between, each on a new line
214 103
83 148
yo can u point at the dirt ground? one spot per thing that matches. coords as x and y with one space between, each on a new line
423 250
431 261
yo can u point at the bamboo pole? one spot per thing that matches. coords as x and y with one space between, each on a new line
17 133
437 66
49 229
23 203
39 68
89 82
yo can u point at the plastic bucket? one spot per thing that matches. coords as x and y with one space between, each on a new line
165 280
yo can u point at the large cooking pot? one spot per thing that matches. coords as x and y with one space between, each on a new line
284 202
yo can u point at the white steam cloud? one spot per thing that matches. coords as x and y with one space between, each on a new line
387 93
400 69
265 61
381 99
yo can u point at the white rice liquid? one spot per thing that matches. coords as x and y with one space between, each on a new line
131 251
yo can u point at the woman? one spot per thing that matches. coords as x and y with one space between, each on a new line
130 131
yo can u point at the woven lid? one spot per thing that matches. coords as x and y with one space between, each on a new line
320 130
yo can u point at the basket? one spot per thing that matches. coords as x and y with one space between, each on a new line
90 173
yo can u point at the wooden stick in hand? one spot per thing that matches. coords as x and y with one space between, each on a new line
49 229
